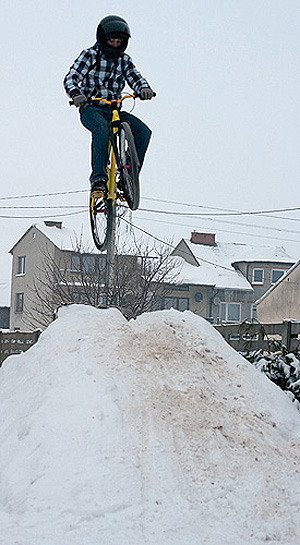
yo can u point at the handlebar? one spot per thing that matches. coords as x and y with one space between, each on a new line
113 101
110 102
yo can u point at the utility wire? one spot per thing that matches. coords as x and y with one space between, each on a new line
42 207
229 210
83 210
173 247
217 214
205 216
43 217
166 212
240 224
223 211
282 239
44 194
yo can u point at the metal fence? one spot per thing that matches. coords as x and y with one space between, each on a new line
15 342
270 337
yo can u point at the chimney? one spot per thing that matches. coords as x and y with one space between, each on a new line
57 224
207 239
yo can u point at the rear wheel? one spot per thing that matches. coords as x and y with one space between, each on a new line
129 166
101 218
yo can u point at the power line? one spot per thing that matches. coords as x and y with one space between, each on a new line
44 194
254 226
230 211
217 214
43 217
204 216
41 207
81 211
173 247
282 239
223 211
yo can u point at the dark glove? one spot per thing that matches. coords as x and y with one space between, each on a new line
146 93
79 100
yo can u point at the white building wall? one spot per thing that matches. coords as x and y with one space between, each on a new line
33 246
283 302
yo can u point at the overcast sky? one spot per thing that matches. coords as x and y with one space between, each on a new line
225 120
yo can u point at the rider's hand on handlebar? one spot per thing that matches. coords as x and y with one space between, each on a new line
79 100
146 93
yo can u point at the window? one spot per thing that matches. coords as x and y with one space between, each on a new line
75 262
258 276
21 264
102 266
19 302
230 312
83 263
254 312
89 263
276 274
179 303
198 297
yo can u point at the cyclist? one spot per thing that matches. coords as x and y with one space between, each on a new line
102 71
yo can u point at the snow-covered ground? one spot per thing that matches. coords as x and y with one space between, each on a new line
152 431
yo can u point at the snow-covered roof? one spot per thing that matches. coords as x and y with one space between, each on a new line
210 274
215 263
227 253
62 237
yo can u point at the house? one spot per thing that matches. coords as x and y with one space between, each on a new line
282 301
222 281
52 266
219 281
46 251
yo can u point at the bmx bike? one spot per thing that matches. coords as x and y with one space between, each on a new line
123 178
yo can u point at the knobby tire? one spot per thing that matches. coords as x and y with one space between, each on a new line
129 165
101 220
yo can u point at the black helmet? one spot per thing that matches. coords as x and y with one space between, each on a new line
113 26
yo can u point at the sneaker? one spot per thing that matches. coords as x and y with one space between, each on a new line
99 185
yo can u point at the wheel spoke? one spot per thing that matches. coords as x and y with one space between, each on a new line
101 219
129 167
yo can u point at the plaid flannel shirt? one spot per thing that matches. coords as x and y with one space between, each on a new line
102 78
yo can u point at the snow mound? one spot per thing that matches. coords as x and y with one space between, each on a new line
152 431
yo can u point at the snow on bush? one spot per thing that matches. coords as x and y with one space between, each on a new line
283 370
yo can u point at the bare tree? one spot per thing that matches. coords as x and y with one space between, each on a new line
141 275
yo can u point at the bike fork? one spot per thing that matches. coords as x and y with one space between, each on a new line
111 189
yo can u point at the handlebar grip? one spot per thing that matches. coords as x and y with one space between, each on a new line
72 103
139 96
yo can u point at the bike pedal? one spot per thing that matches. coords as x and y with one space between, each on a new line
97 194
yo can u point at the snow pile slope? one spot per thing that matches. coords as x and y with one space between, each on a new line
152 431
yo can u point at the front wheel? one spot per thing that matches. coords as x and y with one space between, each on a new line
129 167
102 219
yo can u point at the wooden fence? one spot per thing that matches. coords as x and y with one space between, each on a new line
242 337
270 337
15 342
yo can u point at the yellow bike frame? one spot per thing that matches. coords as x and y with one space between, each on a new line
111 171
111 166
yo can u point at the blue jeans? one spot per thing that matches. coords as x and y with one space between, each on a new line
95 118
